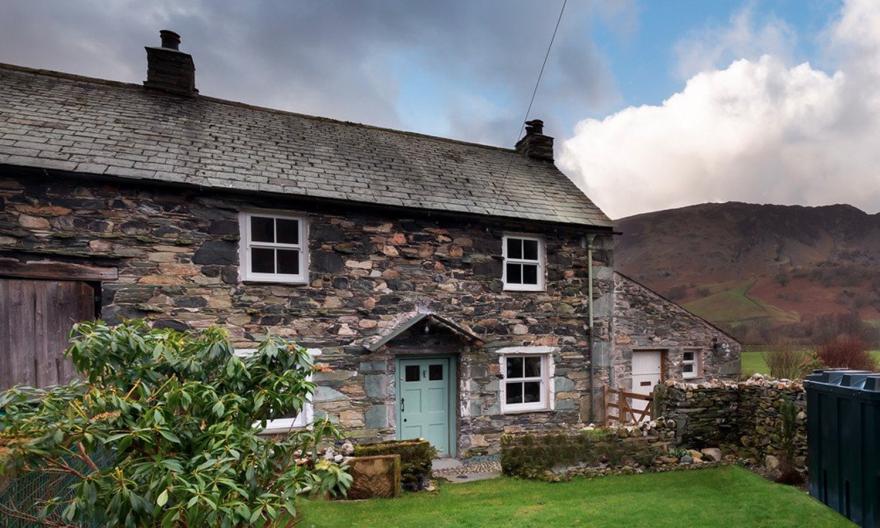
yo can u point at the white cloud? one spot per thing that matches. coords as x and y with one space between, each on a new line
759 130
713 47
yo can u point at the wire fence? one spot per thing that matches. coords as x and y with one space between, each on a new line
24 496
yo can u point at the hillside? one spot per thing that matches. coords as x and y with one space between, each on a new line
760 270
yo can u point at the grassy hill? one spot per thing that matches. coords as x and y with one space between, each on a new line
730 303
760 271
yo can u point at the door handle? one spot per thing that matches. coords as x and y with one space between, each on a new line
402 404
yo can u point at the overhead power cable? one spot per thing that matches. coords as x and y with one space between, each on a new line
541 72
534 93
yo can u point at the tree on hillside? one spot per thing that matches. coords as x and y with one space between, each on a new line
176 417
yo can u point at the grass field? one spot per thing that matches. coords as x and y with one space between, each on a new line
753 361
727 496
730 303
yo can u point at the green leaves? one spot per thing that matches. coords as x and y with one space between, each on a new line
218 409
175 414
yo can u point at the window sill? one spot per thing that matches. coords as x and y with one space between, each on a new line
281 430
526 411
524 288
268 281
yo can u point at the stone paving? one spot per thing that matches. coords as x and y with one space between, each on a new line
456 471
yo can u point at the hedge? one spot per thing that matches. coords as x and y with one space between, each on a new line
536 456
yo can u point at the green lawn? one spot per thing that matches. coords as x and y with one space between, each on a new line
728 496
753 361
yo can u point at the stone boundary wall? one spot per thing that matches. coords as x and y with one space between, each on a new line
742 418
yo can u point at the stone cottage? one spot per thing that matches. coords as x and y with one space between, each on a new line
456 291
655 339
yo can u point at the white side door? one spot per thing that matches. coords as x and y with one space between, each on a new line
645 374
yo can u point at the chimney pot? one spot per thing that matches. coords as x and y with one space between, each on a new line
170 39
535 144
535 126
168 68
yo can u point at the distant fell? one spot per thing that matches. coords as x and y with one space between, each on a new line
760 270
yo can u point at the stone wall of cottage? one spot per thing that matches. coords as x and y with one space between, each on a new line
644 320
176 250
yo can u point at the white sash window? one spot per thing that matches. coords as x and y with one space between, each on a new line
273 248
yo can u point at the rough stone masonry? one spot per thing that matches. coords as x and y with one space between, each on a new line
176 252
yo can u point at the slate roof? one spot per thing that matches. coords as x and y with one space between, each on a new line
407 320
60 121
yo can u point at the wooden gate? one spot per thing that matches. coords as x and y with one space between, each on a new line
35 320
627 414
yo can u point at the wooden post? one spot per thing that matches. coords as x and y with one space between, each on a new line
605 400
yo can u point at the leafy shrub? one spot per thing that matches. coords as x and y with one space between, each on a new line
180 416
789 361
788 474
678 452
846 352
415 459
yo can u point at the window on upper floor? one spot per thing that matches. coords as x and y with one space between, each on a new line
523 263
273 248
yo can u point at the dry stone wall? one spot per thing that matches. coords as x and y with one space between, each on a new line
743 417
176 250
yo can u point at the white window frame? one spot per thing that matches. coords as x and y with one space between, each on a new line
696 362
539 263
245 244
306 416
547 401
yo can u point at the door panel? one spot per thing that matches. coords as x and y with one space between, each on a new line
424 401
645 374
35 319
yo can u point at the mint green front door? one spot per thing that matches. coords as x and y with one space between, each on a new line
423 401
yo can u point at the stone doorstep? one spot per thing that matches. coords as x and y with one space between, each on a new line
445 463
457 471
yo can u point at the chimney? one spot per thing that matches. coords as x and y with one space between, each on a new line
170 69
535 144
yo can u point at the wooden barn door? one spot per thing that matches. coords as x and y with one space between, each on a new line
35 319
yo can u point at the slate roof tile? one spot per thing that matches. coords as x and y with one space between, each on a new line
59 121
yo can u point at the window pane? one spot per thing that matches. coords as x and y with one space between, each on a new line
530 249
514 248
531 391
288 261
262 260
529 273
514 367
513 393
288 231
687 367
262 229
533 367
411 373
688 356
514 273
435 372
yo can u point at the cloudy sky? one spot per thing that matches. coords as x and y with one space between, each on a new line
653 104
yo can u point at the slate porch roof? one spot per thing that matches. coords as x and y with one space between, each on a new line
407 320
59 121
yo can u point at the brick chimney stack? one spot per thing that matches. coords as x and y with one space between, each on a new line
535 144
170 69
